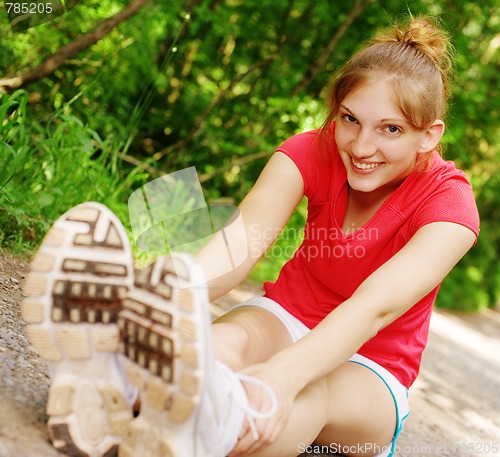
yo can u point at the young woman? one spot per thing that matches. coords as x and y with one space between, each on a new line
325 358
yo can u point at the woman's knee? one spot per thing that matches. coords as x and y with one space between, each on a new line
230 342
248 335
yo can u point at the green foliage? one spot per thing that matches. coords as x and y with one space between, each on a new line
51 168
13 138
219 84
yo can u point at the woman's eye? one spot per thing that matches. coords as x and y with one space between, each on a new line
393 129
349 118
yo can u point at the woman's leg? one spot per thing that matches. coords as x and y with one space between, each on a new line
350 410
248 335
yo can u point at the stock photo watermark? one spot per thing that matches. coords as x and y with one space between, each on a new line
458 448
318 242
24 15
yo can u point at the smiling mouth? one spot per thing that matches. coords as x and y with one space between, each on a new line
366 166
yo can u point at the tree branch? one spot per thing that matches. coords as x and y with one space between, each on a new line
320 63
51 63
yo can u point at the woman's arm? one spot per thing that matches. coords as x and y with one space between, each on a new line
384 296
231 254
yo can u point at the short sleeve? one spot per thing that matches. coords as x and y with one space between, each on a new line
452 200
299 149
318 161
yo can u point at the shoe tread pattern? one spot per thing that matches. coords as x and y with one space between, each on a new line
159 335
73 292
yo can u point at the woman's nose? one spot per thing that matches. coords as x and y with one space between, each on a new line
363 145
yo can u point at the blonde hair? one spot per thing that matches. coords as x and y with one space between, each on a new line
414 59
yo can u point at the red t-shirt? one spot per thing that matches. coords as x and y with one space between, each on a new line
329 266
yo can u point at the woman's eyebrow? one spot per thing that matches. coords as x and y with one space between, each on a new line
346 108
394 119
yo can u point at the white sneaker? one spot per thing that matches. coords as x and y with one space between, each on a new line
191 406
73 295
223 409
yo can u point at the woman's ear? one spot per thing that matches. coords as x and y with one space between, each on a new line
432 136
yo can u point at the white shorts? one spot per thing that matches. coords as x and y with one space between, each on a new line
298 330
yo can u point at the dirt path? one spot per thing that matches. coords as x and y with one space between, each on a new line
455 402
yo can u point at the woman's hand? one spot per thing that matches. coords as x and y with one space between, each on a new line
260 400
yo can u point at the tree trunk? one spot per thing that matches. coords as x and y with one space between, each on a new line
51 63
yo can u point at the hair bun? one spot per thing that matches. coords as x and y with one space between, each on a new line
423 34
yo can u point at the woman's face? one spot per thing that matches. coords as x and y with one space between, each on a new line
377 145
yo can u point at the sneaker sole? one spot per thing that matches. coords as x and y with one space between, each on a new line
164 329
73 296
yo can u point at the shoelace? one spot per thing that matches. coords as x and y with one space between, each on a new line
251 413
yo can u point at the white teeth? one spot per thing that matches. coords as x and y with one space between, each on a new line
365 166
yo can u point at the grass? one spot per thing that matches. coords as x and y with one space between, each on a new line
50 168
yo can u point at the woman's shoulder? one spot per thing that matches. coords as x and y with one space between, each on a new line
315 155
442 181
441 170
441 193
313 146
303 141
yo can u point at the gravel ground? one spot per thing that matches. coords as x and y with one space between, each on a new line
455 401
